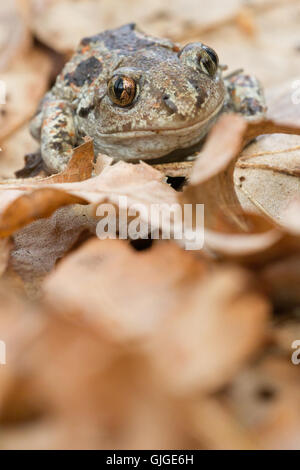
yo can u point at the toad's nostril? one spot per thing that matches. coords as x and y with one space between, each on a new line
172 108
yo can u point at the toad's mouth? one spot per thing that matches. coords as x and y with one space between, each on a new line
179 130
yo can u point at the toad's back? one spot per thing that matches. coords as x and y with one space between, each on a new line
99 55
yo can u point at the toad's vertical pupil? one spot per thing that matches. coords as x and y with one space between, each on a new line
212 54
119 87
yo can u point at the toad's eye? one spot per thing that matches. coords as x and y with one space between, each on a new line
122 90
200 57
208 60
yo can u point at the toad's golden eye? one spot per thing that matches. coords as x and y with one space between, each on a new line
208 60
122 90
200 57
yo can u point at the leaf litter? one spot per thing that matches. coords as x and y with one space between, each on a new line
152 346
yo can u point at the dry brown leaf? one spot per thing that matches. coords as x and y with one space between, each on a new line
175 169
22 203
178 20
102 162
13 150
41 244
117 403
14 35
139 183
185 317
91 17
217 428
32 206
79 168
264 399
283 101
129 292
5 247
26 82
267 176
211 184
154 332
220 324
271 53
211 177
285 331
281 281
229 230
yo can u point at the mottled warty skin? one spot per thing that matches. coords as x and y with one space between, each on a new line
174 105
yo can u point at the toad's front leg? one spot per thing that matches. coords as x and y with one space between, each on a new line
58 136
245 96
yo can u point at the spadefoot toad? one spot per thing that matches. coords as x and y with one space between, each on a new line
138 97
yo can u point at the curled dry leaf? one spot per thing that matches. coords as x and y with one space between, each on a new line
39 245
267 176
22 203
228 230
267 172
52 236
139 183
212 174
211 184
26 82
38 204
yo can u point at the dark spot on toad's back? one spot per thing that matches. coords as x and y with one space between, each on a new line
63 135
194 83
86 71
96 38
86 41
57 146
84 112
126 40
